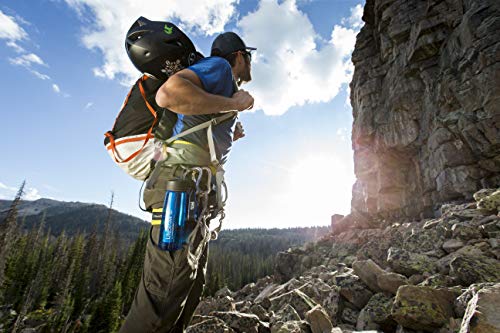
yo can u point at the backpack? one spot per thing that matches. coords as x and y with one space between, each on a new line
130 142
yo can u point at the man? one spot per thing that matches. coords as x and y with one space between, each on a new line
170 289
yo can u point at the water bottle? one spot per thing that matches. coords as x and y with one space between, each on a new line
178 216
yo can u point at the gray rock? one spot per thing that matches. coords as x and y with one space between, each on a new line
292 327
453 245
260 312
482 313
211 324
377 314
210 304
286 313
439 280
475 269
423 308
223 292
368 271
353 290
408 263
319 320
349 316
323 294
390 282
465 231
295 298
240 322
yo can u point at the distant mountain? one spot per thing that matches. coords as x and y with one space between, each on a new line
73 217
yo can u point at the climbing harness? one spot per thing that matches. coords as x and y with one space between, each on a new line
202 167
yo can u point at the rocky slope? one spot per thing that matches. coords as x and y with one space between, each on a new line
426 105
434 275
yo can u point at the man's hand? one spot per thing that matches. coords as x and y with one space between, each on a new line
239 132
243 100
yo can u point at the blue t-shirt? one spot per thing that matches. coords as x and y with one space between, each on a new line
216 77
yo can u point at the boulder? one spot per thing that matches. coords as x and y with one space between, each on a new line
213 325
423 308
452 245
318 320
474 269
286 313
223 292
377 314
482 314
295 298
378 279
390 282
210 304
240 322
260 312
439 280
491 202
353 290
349 316
323 294
368 271
292 327
409 263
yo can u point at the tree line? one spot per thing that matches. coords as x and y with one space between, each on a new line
86 282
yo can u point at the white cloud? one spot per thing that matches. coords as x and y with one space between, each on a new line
8 192
31 194
27 60
355 20
88 105
10 29
16 47
56 88
290 68
106 33
39 75
342 134
5 187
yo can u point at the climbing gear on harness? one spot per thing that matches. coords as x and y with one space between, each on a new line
168 153
202 165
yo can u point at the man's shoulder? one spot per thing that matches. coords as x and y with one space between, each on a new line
215 62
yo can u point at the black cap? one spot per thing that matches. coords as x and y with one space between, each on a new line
227 43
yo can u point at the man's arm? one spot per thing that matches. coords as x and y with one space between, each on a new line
183 93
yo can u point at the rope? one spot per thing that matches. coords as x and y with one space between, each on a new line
194 254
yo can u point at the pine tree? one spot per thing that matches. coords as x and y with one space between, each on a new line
106 316
103 255
7 228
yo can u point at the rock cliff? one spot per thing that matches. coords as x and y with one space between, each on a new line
426 104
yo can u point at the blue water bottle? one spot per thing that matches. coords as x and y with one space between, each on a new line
178 216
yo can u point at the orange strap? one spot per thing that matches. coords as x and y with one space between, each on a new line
149 135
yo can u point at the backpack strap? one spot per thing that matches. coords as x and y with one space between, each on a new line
149 135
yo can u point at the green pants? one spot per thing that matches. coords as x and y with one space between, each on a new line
166 297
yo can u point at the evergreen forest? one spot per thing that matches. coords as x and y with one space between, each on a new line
80 281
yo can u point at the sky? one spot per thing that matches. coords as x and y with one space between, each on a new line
66 75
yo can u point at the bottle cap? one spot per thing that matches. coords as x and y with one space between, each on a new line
180 185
